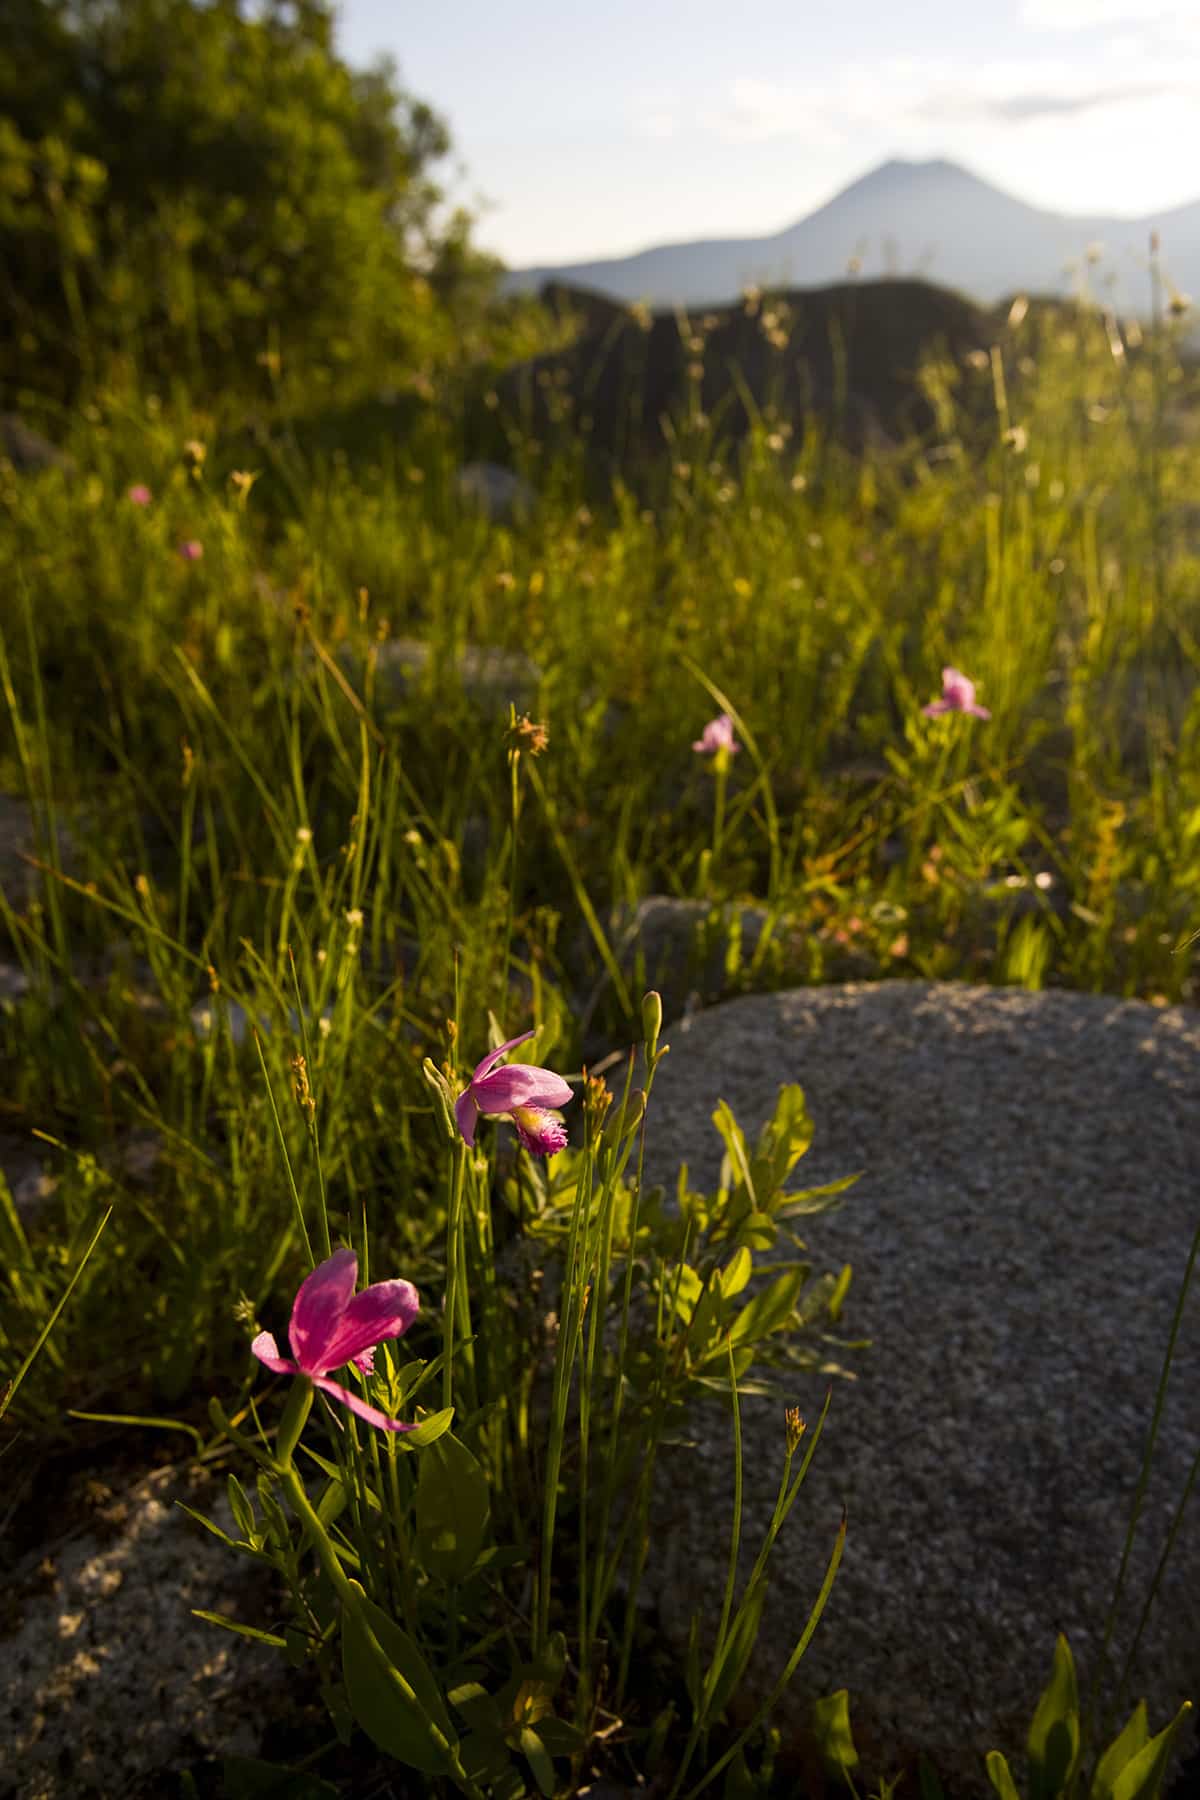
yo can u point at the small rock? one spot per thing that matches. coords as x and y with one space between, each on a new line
488 676
691 951
498 493
27 450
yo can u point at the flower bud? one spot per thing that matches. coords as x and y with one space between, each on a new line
443 1098
652 1018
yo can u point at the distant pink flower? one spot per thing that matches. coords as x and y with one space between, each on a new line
139 494
958 695
520 1091
192 550
716 736
332 1325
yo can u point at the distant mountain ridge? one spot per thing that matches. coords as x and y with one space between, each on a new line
933 219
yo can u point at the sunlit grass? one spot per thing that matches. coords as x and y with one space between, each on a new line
247 812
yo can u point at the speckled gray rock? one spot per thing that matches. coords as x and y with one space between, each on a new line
489 677
498 493
27 450
690 951
107 1682
1018 1237
20 879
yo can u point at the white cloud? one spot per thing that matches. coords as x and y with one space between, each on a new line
1179 17
912 98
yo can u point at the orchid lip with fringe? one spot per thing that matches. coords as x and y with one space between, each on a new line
332 1325
520 1092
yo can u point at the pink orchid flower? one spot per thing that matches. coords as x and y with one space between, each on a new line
716 736
958 695
332 1325
522 1093
139 494
192 551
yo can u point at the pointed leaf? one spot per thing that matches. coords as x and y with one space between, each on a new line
929 1780
247 1631
831 1726
477 1707
1133 1738
1142 1776
453 1504
538 1758
560 1737
427 1432
768 1310
1053 1742
738 1647
395 1723
1000 1777
246 1778
240 1506
736 1272
734 1139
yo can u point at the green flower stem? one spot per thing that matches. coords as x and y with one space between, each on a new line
350 1596
456 1308
569 1332
721 773
295 1417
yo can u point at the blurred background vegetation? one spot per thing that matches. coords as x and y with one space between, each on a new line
208 194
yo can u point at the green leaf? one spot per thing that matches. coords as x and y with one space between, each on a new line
208 1525
484 1756
240 1507
1142 1776
841 1288
768 1310
453 1504
551 1665
1000 1777
538 1758
831 1727
1133 1738
332 1503
734 1139
783 1141
427 1432
736 1272
246 1778
560 1737
477 1707
396 1723
1053 1741
247 1631
738 1647
929 1780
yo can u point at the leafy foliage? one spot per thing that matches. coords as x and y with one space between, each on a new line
209 190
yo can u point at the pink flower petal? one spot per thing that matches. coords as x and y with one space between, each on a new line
935 707
980 712
493 1056
267 1352
519 1084
361 1407
317 1313
386 1309
466 1113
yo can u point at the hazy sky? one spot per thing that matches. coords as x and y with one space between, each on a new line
603 127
